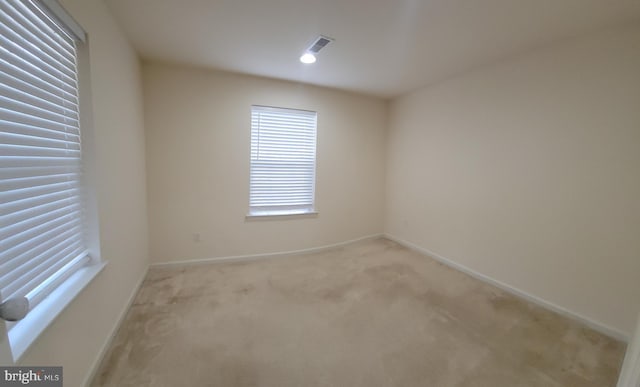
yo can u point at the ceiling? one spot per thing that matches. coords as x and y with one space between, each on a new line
382 47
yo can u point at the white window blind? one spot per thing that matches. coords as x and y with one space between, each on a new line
283 161
41 205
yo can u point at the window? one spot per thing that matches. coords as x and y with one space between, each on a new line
43 241
283 161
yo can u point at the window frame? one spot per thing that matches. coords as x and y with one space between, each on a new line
298 210
17 337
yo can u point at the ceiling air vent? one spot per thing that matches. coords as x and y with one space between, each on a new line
319 44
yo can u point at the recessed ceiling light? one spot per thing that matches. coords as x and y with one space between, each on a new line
308 58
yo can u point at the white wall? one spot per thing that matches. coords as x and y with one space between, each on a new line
198 132
528 171
76 338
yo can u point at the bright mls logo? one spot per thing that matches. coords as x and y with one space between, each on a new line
31 376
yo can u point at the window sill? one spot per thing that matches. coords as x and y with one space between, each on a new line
266 215
25 332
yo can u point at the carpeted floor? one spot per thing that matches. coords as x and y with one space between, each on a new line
369 314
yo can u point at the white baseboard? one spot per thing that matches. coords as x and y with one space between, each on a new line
600 327
107 344
630 373
254 257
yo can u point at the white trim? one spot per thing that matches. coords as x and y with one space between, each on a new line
5 346
301 215
598 326
114 330
255 257
283 161
630 373
65 20
25 332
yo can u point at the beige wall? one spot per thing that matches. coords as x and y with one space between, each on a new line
77 336
527 171
198 131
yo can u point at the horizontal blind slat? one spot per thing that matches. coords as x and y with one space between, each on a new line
32 151
13 173
14 161
283 202
36 141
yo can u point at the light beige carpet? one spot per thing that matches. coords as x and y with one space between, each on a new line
369 314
